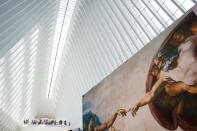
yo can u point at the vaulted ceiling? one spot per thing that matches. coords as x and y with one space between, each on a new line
46 65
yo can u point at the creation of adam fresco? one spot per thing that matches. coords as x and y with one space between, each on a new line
172 80
171 88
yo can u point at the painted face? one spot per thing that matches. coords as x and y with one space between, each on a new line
154 72
179 37
157 65
193 27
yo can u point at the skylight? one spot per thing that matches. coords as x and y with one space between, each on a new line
65 12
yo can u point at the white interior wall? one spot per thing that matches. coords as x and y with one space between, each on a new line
26 34
37 128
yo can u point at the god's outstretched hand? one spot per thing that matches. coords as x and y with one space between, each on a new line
133 110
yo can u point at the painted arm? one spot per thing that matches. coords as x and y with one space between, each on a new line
111 120
149 96
190 89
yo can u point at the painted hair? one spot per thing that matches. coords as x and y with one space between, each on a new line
168 56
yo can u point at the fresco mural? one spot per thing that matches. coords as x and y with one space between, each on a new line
171 87
172 80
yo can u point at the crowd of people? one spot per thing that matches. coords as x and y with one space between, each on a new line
46 122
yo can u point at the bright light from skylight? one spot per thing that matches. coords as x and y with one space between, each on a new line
63 21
